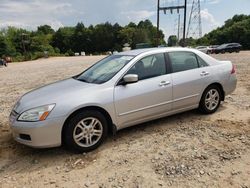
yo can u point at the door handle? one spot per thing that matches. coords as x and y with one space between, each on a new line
204 73
164 83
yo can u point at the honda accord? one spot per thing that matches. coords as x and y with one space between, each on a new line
119 91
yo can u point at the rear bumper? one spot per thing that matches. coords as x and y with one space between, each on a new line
230 86
43 134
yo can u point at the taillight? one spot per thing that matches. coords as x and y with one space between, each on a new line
233 71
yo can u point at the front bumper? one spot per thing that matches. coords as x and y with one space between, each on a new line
42 134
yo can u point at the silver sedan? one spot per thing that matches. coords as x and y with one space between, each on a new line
119 91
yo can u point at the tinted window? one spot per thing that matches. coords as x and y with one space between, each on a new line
150 66
182 61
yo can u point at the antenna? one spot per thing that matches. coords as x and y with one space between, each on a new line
194 25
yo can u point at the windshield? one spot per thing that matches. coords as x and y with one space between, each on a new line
105 69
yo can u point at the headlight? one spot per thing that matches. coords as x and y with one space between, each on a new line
36 114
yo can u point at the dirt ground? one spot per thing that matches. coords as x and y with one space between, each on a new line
184 150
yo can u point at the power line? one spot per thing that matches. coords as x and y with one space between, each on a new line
171 9
194 25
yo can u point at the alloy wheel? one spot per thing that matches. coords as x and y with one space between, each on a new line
212 99
88 132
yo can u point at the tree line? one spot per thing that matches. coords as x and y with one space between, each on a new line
234 30
21 44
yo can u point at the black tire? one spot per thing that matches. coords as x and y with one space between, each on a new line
71 128
203 106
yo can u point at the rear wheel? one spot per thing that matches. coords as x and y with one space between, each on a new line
85 131
210 100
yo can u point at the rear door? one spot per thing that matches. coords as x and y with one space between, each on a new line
190 75
150 97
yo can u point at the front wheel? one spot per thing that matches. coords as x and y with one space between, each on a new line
85 131
210 100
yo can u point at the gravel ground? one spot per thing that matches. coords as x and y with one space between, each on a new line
184 150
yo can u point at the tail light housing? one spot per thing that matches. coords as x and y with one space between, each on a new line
233 71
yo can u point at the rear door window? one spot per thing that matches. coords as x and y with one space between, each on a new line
182 61
201 62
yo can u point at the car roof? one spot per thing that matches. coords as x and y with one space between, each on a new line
160 49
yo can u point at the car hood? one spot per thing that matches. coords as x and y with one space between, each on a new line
52 94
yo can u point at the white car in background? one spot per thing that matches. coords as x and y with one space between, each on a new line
204 49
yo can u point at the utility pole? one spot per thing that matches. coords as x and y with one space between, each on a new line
184 24
158 22
178 32
171 8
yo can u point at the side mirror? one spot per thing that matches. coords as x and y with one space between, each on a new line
130 78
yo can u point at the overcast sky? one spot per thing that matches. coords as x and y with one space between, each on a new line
31 13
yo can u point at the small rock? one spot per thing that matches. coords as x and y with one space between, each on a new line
67 170
52 182
157 158
110 179
202 172
233 173
35 161
87 184
77 161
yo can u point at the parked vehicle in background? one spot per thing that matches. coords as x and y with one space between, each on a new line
3 63
204 49
230 47
143 45
8 59
212 47
119 91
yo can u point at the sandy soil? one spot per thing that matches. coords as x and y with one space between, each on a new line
184 150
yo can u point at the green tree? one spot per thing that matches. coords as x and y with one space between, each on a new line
45 29
236 29
62 39
172 40
3 46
